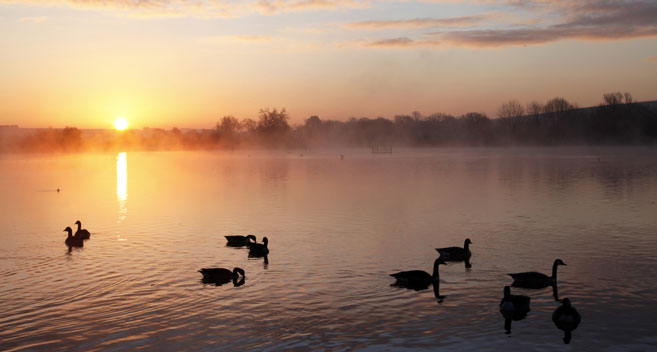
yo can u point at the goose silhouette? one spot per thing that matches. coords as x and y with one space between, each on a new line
513 307
239 240
73 241
566 318
259 249
533 279
220 276
456 253
82 233
418 279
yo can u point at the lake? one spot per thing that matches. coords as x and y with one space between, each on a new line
336 229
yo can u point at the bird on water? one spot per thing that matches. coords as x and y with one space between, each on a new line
513 307
239 240
82 233
259 249
418 279
533 279
456 253
73 241
220 276
566 318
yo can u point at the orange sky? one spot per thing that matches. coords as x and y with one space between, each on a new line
168 63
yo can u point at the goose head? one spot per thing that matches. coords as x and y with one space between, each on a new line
69 230
78 223
265 241
559 262
237 272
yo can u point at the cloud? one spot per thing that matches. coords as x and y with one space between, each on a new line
199 8
273 6
599 21
223 39
33 19
401 42
421 22
593 20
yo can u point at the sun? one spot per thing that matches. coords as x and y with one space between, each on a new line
121 123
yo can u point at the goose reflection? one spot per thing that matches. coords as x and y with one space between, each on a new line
436 292
265 258
513 308
566 318
467 264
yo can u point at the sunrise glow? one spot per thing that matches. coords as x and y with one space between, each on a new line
120 123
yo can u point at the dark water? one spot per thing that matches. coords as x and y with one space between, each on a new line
337 228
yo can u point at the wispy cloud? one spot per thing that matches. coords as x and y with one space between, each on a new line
33 19
597 20
200 8
401 42
421 22
591 21
223 39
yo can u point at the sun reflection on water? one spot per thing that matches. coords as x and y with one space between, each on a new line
122 185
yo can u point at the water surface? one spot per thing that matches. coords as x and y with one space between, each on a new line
337 228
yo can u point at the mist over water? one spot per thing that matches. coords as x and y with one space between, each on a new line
336 228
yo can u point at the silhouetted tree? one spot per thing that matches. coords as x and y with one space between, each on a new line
558 104
512 108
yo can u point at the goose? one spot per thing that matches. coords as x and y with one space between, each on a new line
566 318
82 233
239 240
536 280
513 307
71 240
220 276
418 279
259 249
456 253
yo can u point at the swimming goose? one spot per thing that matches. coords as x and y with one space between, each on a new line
456 253
418 279
71 240
513 307
259 249
536 280
239 240
566 318
220 276
83 233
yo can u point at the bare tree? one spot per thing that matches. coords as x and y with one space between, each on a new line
558 104
613 98
273 121
510 109
534 108
228 125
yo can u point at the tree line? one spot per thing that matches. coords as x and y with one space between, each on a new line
616 120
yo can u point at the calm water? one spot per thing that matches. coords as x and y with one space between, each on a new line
337 228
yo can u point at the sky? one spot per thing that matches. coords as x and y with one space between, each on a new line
187 63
